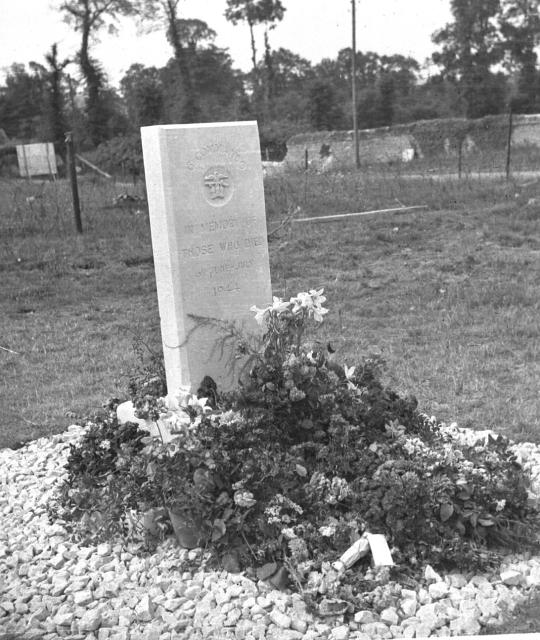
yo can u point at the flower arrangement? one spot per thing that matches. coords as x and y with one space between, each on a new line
308 454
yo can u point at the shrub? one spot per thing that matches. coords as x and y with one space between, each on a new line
105 481
121 155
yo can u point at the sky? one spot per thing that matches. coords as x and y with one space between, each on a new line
314 29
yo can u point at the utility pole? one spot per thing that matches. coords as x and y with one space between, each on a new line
354 98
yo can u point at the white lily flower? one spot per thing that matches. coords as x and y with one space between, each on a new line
279 305
317 296
349 371
190 401
302 301
318 313
259 313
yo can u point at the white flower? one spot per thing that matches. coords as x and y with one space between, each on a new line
312 302
229 417
317 296
318 313
244 499
176 422
500 505
327 532
394 429
190 401
106 444
279 305
349 371
296 395
259 313
302 301
289 533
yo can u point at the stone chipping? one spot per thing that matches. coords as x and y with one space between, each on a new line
51 587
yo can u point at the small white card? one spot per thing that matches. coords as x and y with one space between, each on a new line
380 550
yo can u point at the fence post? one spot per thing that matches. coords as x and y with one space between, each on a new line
306 159
460 157
509 143
73 180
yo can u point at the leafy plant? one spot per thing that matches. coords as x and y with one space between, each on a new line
308 454
105 482
121 155
147 384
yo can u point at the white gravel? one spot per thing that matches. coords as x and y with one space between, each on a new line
51 587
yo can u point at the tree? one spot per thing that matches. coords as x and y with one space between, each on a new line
54 108
387 97
218 87
291 71
470 47
254 12
88 16
143 92
324 108
21 103
258 12
520 30
403 71
165 13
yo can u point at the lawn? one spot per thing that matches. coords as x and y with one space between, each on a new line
449 296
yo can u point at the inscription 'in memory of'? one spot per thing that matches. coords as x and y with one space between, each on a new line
213 226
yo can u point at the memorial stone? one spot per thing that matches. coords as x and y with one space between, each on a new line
209 240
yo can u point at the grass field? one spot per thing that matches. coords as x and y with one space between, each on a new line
450 296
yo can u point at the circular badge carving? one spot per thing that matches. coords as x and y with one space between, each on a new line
217 186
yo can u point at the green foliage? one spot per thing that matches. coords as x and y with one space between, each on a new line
87 19
273 136
22 103
104 483
147 383
307 455
142 89
325 112
121 155
470 46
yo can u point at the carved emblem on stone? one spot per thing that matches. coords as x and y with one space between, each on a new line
218 186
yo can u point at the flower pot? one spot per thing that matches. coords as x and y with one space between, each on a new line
151 519
187 533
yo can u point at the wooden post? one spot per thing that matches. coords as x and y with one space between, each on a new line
73 179
460 156
306 159
354 96
509 143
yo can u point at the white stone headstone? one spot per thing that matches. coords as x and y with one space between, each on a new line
36 159
206 202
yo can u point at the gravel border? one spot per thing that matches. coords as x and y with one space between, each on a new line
51 587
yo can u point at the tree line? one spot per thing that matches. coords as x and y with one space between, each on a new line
485 62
